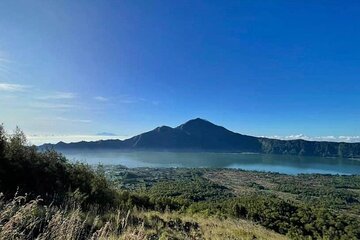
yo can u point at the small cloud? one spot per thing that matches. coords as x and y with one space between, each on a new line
73 120
59 95
106 134
5 60
54 106
101 99
4 65
153 102
350 139
128 101
9 87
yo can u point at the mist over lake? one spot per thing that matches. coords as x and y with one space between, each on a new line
258 162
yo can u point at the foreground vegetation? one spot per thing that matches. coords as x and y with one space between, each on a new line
22 219
43 196
46 197
304 206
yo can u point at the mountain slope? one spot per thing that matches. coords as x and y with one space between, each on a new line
201 135
196 134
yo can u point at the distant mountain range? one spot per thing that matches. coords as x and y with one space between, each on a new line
202 135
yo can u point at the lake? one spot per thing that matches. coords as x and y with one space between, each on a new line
258 162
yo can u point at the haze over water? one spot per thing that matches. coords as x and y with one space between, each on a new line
258 162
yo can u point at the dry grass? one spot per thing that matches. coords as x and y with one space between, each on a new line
23 219
213 228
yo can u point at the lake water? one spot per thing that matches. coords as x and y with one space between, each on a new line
258 162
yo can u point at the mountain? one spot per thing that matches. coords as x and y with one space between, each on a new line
196 134
201 135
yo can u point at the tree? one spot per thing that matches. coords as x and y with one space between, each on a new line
240 211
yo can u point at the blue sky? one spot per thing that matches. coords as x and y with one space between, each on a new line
263 68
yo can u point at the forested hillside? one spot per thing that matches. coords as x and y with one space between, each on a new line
310 148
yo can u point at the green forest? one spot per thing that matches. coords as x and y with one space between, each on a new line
310 148
45 196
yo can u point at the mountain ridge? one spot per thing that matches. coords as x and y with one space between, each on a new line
202 135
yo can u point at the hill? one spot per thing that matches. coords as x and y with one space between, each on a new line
202 135
43 196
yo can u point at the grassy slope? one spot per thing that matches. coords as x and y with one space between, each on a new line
218 229
21 219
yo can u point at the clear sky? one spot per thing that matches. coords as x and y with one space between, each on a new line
263 68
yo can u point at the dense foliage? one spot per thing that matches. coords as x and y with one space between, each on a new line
296 221
303 206
48 174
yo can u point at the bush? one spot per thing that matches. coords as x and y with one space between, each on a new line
48 174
